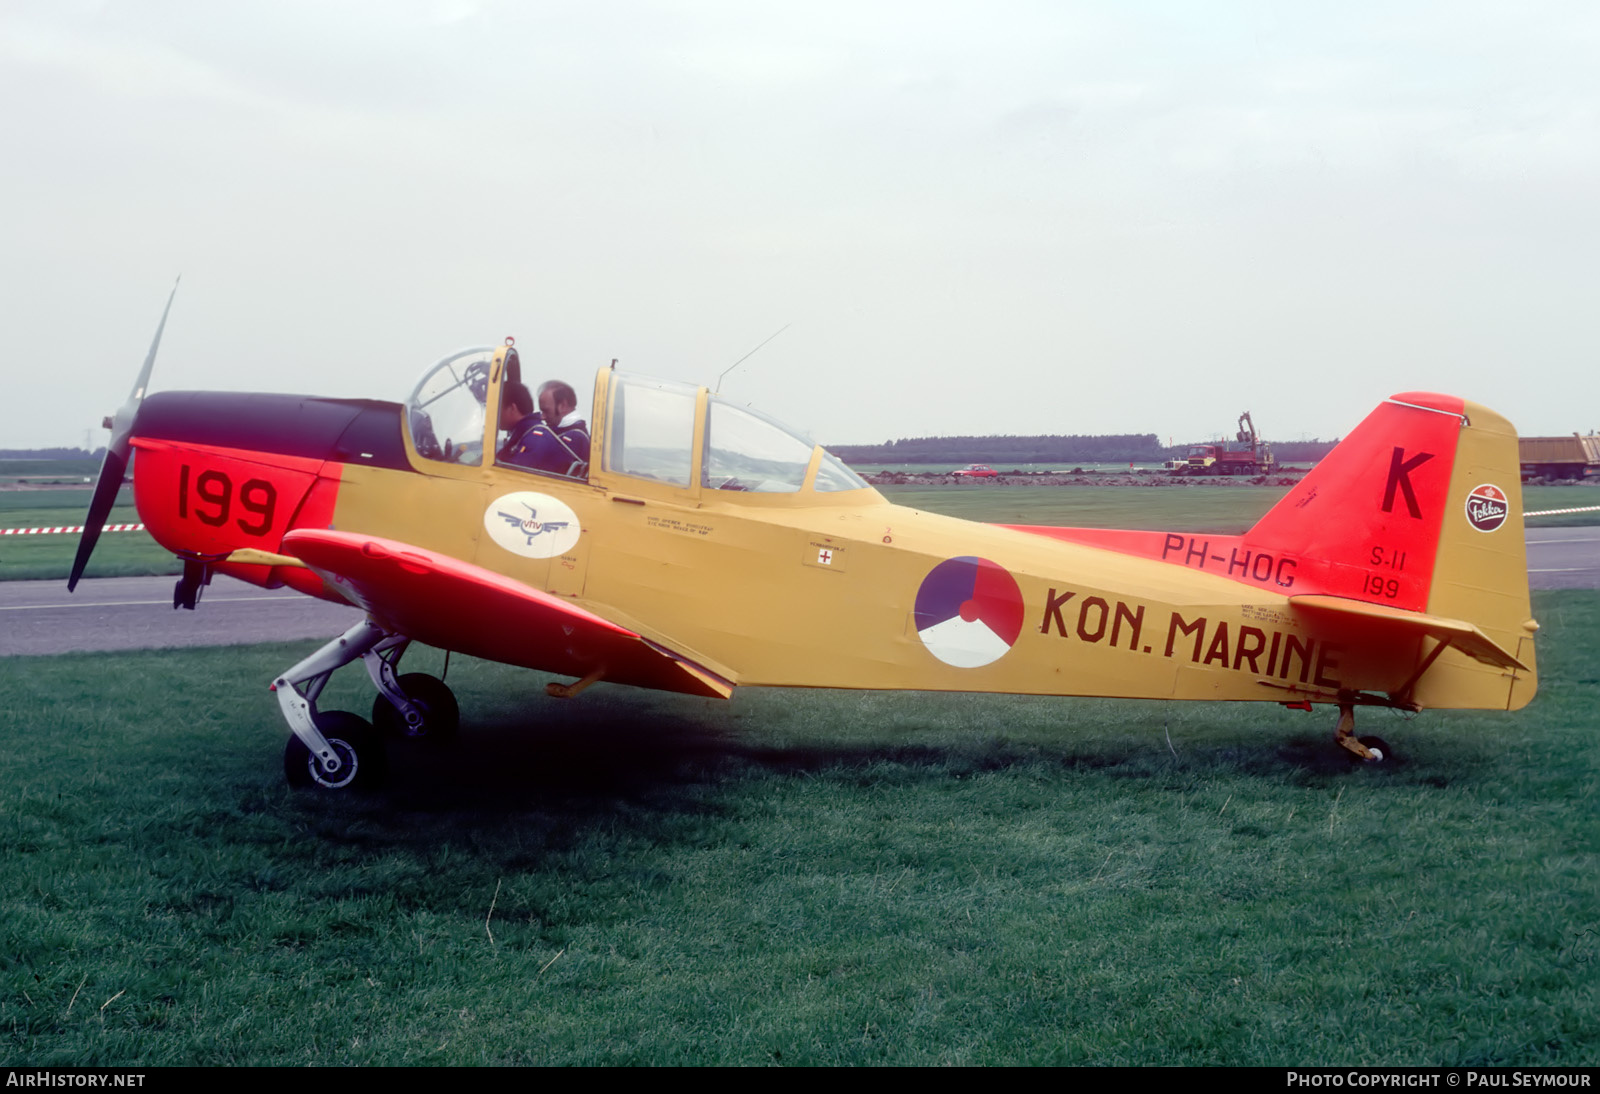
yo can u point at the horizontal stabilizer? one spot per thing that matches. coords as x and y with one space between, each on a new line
1452 632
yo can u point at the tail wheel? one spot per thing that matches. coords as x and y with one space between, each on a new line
1382 753
441 715
354 742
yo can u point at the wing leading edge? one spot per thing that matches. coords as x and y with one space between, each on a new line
455 605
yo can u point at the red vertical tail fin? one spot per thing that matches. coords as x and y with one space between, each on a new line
1420 509
1365 522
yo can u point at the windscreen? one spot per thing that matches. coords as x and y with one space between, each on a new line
446 410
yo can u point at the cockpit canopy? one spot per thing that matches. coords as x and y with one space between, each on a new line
660 431
447 408
651 433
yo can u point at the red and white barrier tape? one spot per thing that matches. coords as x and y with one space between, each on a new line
1558 512
72 529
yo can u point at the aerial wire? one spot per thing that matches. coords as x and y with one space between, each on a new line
749 355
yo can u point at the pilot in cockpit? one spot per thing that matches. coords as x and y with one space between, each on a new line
557 440
518 418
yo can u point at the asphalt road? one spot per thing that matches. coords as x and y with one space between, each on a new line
1564 558
121 613
125 613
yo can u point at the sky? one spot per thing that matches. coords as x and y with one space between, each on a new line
966 218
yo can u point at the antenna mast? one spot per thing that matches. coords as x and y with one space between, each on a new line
752 353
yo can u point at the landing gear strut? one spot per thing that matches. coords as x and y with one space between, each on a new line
1366 749
196 576
433 713
338 750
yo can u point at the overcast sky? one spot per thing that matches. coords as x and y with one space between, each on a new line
1006 217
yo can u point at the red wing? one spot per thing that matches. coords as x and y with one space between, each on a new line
455 605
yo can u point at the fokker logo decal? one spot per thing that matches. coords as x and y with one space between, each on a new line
531 525
1487 507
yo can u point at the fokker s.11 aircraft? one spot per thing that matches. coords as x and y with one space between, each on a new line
706 546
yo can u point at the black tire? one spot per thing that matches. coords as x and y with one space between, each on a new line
441 714
1378 745
359 748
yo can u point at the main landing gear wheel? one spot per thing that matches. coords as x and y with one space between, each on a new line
441 716
353 740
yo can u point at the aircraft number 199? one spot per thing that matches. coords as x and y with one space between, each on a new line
1377 585
214 498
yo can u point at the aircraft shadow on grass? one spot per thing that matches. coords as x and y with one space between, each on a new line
667 763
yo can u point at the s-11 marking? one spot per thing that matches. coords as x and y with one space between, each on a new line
1387 558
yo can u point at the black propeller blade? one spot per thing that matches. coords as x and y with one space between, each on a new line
115 465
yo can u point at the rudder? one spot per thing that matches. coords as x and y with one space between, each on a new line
1481 572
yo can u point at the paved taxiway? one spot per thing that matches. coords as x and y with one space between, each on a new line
127 613
122 613
1564 558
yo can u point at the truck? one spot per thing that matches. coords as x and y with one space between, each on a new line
1573 457
1247 454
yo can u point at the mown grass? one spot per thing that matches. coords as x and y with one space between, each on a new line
1193 507
49 557
1207 508
28 471
1058 467
58 501
805 878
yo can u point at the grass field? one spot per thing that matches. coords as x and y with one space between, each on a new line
1195 508
41 557
794 878
36 471
1227 510
1202 508
59 500
1113 467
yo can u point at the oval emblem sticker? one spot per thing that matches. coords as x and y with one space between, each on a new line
531 525
1487 507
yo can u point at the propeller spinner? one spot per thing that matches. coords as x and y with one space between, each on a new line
115 465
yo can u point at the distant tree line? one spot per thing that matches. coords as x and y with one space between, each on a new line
49 453
1119 447
1074 448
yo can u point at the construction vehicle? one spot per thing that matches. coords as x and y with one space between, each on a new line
1573 457
1247 454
